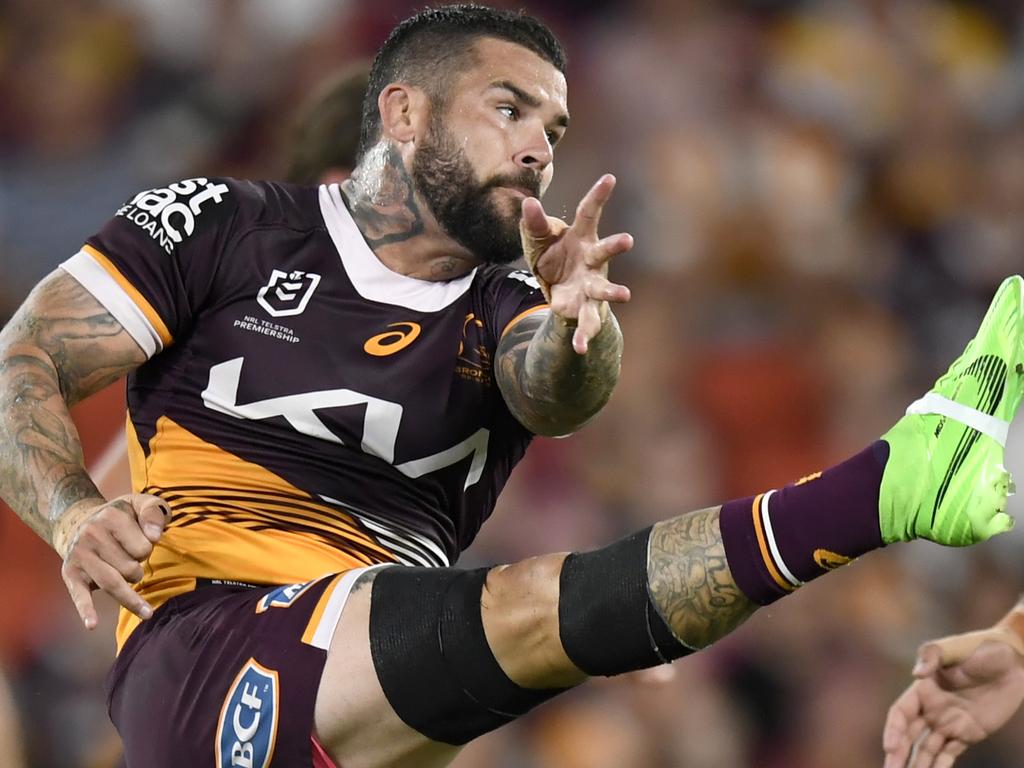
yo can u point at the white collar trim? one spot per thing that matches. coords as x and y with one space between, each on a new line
371 279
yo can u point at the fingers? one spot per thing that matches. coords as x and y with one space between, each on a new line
609 247
110 581
601 289
109 548
589 325
589 317
949 650
929 658
903 726
80 588
588 212
81 579
950 753
110 551
929 748
535 222
153 514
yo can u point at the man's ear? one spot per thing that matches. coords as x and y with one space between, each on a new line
403 112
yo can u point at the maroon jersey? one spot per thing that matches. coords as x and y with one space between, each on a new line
304 408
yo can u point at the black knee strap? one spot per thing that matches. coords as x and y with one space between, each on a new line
432 658
607 622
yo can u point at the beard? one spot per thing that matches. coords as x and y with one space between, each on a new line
465 207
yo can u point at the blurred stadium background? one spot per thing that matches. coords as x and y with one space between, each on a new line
824 196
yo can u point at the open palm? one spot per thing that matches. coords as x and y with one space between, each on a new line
571 261
951 707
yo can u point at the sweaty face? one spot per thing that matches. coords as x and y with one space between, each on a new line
468 209
489 145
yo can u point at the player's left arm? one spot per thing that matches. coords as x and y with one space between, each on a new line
557 369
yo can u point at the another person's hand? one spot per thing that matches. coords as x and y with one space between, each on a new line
104 545
571 262
967 687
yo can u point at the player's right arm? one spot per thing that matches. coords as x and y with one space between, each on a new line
557 370
968 686
61 346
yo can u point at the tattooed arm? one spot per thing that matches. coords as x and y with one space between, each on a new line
690 581
59 348
549 388
557 371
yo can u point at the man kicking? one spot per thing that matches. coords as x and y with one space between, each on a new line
330 385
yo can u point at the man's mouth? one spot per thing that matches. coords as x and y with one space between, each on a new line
519 191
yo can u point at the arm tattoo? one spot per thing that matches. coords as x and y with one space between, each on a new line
61 346
380 197
690 581
549 388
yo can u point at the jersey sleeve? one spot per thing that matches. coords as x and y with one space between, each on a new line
514 294
152 265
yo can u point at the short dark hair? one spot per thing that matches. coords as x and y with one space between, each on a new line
325 134
427 49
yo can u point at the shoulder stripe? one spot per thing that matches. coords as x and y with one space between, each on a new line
151 314
521 315
125 308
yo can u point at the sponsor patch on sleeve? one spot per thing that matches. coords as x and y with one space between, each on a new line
168 214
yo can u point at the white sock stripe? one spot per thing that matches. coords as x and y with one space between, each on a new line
766 521
934 403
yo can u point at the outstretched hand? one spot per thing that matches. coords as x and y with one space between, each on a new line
571 262
104 546
967 687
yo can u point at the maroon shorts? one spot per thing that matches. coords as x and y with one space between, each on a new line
227 676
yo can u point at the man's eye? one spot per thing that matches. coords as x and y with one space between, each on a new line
509 111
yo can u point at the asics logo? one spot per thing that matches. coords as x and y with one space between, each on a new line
829 561
390 342
807 478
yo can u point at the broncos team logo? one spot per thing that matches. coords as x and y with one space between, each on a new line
247 729
287 293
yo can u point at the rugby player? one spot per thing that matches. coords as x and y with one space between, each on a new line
329 386
968 686
321 148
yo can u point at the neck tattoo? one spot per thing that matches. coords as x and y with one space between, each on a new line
380 196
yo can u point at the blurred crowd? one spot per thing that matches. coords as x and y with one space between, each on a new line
824 196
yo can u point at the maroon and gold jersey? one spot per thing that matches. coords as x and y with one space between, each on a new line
304 409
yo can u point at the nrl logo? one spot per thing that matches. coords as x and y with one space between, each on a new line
287 293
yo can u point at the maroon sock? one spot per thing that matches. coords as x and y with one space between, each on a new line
776 541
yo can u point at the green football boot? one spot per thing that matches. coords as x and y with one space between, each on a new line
945 480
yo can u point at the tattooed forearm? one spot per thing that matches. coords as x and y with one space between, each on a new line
60 347
690 581
550 388
380 196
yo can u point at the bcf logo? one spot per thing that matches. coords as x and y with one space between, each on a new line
248 720
287 293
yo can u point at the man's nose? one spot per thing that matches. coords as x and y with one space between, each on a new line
536 153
